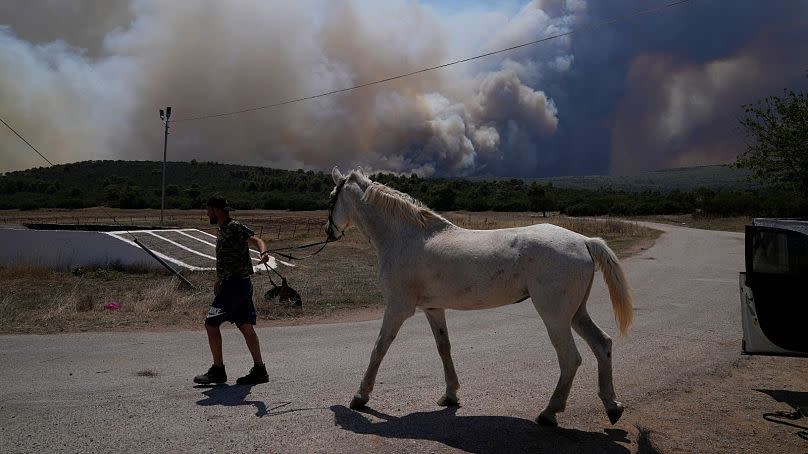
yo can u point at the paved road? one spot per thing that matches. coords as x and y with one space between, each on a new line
82 392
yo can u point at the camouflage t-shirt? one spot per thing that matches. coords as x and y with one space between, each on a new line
232 251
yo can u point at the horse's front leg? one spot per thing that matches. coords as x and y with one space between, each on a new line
394 317
437 321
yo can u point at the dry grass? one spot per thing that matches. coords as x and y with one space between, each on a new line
727 224
343 275
625 238
27 271
343 278
585 226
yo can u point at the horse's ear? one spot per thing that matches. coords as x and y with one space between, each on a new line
336 175
359 170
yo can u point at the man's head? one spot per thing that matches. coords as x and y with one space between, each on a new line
218 209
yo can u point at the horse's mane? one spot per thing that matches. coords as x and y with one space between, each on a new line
395 203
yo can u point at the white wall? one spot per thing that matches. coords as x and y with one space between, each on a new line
62 249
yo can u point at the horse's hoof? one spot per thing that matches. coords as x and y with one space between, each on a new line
358 402
447 401
615 413
547 421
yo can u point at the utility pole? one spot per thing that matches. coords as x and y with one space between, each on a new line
165 116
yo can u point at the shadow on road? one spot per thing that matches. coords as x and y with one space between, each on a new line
796 400
479 434
232 396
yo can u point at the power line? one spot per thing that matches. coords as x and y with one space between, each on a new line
134 238
444 65
23 139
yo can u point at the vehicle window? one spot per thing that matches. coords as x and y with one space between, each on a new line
780 252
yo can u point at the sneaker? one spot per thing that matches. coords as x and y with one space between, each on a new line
258 374
216 374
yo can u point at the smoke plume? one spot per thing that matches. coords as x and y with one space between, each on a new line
85 82
678 113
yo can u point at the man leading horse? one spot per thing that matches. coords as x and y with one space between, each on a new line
233 290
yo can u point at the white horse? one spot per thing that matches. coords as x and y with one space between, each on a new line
427 262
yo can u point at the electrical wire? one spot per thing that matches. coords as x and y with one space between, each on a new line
134 238
27 142
381 81
444 65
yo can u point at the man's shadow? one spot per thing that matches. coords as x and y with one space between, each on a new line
232 396
480 433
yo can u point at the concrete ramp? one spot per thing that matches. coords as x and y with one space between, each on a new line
185 249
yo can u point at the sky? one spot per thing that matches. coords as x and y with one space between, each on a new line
83 80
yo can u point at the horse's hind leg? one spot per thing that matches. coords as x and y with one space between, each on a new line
568 361
601 345
556 305
393 318
437 321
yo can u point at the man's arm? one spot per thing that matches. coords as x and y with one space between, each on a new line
258 243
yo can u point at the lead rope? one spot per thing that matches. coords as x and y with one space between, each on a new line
284 292
291 257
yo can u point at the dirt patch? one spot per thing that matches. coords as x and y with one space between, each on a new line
146 373
730 410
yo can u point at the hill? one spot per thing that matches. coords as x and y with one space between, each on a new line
136 184
680 179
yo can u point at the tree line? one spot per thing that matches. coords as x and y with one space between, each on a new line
136 184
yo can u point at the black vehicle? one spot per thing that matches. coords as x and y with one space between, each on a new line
774 288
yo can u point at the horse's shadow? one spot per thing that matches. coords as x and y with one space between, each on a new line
480 433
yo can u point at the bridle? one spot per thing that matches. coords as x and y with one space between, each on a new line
284 292
332 202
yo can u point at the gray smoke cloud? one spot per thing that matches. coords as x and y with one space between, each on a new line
678 113
85 82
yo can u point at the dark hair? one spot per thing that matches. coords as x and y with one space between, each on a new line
218 201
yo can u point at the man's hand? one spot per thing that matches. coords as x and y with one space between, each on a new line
216 286
262 248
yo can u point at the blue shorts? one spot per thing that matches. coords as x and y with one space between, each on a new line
233 304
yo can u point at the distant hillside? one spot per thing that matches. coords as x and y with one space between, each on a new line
681 179
716 190
136 184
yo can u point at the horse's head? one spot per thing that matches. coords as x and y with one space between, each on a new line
338 215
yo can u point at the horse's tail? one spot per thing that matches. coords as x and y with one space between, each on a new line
606 261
